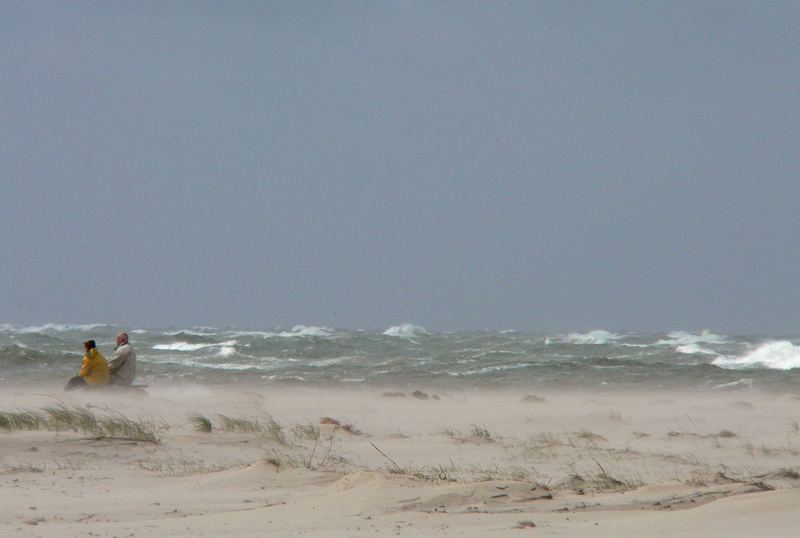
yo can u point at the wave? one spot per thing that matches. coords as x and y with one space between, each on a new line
20 353
215 366
694 349
186 346
262 334
302 330
231 366
55 327
189 332
736 384
780 355
592 337
406 330
682 338
226 351
321 363
490 369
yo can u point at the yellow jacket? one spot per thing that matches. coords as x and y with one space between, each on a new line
94 368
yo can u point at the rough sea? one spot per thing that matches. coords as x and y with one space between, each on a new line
408 356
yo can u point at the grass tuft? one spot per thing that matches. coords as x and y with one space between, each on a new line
306 431
590 436
267 426
201 423
234 424
80 419
478 431
274 430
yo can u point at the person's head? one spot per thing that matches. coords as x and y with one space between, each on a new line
89 344
122 339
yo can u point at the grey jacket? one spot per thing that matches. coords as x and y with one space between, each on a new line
122 365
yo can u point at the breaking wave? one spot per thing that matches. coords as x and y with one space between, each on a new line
694 349
51 327
682 338
190 332
592 337
302 330
780 355
406 330
408 355
186 346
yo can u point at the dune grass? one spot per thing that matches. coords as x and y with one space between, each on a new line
267 426
306 431
81 419
201 424
479 431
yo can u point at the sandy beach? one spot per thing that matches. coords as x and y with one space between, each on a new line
275 462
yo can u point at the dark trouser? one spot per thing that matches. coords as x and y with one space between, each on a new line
76 382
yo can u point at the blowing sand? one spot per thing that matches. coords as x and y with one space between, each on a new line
453 464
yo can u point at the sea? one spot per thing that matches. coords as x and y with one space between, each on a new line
409 357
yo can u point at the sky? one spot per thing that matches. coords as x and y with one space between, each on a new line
457 165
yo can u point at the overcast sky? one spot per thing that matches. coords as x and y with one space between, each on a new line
458 165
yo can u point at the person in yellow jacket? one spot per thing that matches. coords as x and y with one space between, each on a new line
94 369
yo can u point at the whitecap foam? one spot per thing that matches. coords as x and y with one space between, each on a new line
226 351
57 327
190 332
489 369
193 363
231 366
592 337
186 346
694 349
180 346
262 334
321 363
682 338
736 384
302 330
406 330
779 355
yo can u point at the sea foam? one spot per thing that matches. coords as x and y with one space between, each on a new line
780 355
302 330
406 330
694 349
592 337
56 327
190 332
186 346
682 338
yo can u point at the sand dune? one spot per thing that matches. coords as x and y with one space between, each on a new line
471 464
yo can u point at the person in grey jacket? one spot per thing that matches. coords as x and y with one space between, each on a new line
122 365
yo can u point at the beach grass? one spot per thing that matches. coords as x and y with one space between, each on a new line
266 426
81 419
201 423
306 431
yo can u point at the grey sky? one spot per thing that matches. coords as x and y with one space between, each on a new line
554 166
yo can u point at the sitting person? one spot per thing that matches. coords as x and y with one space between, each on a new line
122 366
94 369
